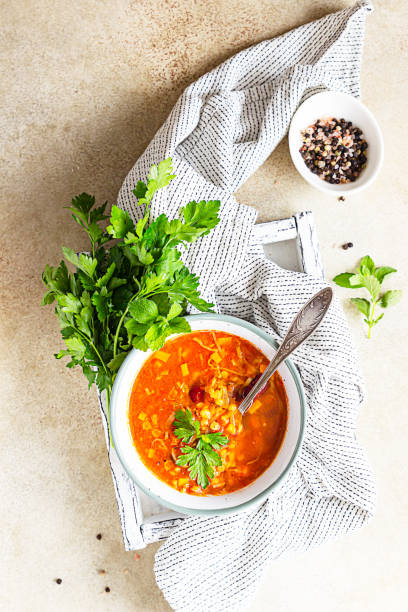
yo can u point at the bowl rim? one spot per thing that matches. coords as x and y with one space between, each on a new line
295 155
262 495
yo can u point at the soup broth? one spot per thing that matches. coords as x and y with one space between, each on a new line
207 372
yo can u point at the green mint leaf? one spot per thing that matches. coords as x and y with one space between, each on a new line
356 281
143 310
390 298
343 280
367 266
372 285
121 223
381 273
363 305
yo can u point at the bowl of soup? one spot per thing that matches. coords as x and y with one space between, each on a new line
177 429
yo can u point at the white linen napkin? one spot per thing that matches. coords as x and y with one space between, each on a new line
221 130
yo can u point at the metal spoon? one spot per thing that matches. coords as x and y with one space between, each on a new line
303 325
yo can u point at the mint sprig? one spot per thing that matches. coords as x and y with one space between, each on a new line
132 288
369 277
201 458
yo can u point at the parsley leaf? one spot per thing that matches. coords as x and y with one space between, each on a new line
132 292
201 458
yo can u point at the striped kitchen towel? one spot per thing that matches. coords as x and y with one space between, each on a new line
221 130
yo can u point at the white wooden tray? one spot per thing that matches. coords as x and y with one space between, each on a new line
292 244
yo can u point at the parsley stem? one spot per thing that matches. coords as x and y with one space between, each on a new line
108 396
87 339
115 343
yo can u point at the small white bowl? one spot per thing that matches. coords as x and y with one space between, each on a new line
211 504
339 105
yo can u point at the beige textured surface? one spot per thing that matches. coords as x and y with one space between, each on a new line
86 85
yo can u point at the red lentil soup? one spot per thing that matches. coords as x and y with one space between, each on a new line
208 372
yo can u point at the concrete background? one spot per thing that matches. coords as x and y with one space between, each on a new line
85 86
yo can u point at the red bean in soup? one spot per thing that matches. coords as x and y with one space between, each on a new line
208 372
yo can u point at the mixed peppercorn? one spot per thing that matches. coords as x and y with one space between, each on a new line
334 150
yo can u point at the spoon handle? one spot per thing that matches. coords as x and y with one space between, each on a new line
303 325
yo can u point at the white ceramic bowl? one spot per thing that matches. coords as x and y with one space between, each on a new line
339 105
214 504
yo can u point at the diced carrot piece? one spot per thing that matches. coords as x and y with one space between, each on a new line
148 392
146 425
155 419
182 482
216 357
257 404
142 416
184 369
150 453
162 356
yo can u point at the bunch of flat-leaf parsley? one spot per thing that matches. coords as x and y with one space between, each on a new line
131 292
